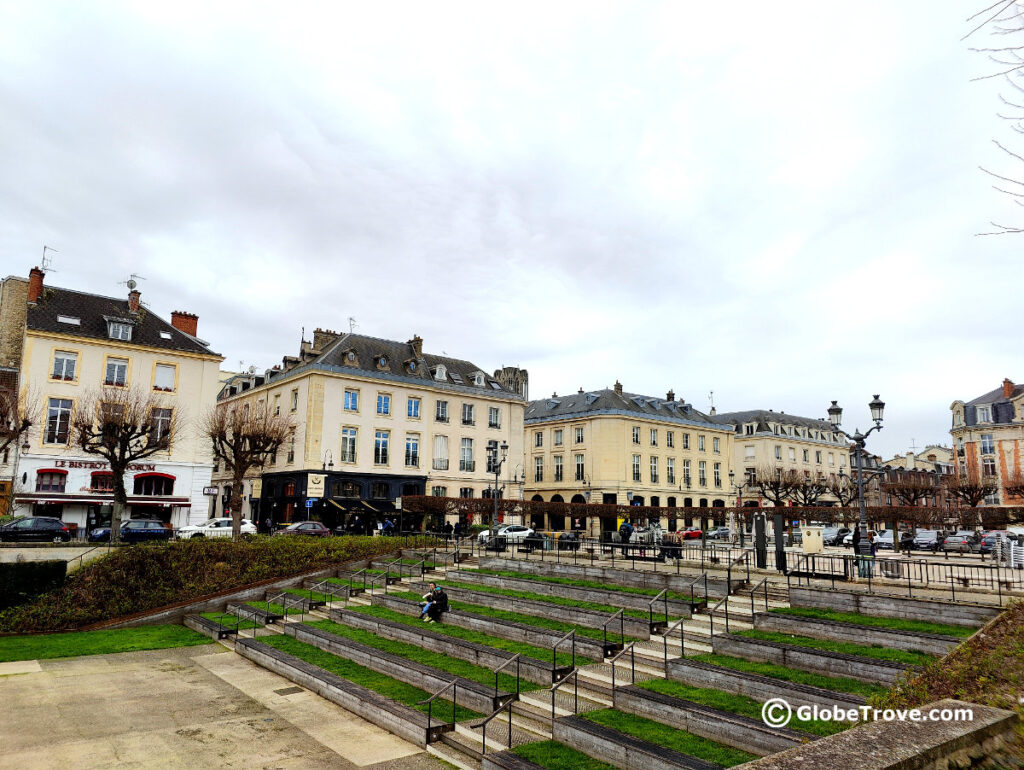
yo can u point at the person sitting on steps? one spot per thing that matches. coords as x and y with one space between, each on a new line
428 599
438 606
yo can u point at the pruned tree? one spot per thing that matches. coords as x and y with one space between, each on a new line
971 487
910 487
807 490
243 439
123 426
844 489
19 413
1013 484
774 484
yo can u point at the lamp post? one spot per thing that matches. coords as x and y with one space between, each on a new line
835 416
496 462
739 502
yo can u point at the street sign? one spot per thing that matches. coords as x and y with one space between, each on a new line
210 491
309 503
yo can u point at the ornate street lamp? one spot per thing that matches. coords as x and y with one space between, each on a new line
835 416
739 502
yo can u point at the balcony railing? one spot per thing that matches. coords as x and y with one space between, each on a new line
468 421
441 418
412 460
441 465
467 465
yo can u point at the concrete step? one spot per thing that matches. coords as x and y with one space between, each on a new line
452 753
497 734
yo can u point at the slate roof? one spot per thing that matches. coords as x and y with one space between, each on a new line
1002 408
93 310
763 417
607 401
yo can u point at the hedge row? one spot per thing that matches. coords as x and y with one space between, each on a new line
21 581
147 577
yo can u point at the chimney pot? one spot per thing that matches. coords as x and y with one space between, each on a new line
185 322
670 396
133 300
35 284
416 343
1008 387
618 388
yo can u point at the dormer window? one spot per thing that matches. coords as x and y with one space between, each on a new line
70 320
441 374
984 414
118 330
478 380
382 362
165 335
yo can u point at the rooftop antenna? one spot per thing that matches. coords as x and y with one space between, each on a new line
352 325
47 264
711 398
131 282
913 446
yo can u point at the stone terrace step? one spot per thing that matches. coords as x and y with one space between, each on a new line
620 749
818 628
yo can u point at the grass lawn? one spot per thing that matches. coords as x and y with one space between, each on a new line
229 619
549 599
586 584
276 609
899 624
371 680
77 643
412 652
558 756
837 683
468 635
518 617
847 648
669 737
737 704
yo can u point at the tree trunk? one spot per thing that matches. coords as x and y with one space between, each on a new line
120 504
236 508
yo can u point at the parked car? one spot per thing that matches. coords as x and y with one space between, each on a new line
959 543
134 531
883 540
834 535
306 528
513 533
988 542
691 533
929 539
215 528
35 529
718 533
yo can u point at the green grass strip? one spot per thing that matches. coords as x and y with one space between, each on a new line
549 599
836 683
899 624
558 756
847 648
371 680
737 704
519 617
411 652
669 737
229 619
75 643
468 635
276 609
698 589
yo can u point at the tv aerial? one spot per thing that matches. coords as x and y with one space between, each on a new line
131 283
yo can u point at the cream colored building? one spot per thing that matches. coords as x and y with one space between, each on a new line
766 439
988 439
932 458
608 446
376 420
74 344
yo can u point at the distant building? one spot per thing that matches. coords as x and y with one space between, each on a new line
609 446
66 344
933 457
988 438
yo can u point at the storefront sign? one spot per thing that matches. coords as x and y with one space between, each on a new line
100 465
257 488
315 484
210 491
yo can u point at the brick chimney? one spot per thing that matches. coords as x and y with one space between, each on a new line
35 284
322 338
185 322
133 300
416 343
1008 385
618 388
670 396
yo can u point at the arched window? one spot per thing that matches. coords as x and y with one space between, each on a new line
537 499
153 484
579 499
557 499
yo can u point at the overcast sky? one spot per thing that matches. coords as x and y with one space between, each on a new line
776 202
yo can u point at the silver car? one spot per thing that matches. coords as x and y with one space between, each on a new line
214 528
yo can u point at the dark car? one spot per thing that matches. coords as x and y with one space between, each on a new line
307 528
135 531
962 543
929 540
834 535
35 529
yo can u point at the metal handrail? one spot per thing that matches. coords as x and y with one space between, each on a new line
554 651
703 577
711 614
83 553
743 557
650 607
484 722
632 664
429 702
622 627
354 575
764 582
682 642
575 674
515 658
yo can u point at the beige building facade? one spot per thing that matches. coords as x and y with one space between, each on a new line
988 439
73 345
612 447
376 420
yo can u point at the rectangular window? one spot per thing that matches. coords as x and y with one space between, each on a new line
119 331
413 409
351 400
164 377
467 414
64 365
700 443
578 431
670 470
778 452
493 417
161 421
538 469
558 467
383 404
348 444
686 441
441 411
117 372
412 450
988 445
466 493
702 473
295 400
792 455
277 404
654 437
291 450
654 470
751 476
842 461
748 429
988 466
984 414
538 438
717 470
670 439
807 455
58 421
558 437
380 447
439 491
636 468
636 434
466 456
51 482
716 445
440 453
379 490
749 452
817 456
580 473
831 460
686 472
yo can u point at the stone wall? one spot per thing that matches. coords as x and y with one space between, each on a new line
886 606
